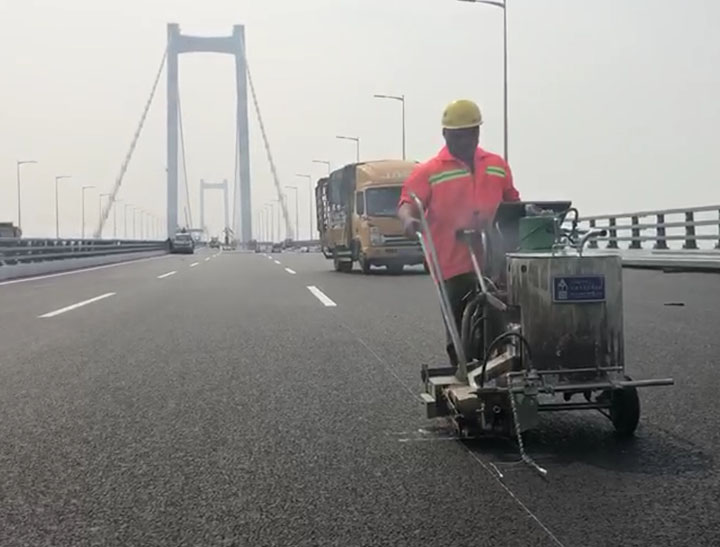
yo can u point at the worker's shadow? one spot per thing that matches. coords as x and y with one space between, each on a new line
576 439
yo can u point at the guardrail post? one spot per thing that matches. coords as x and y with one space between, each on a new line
661 242
635 243
690 242
612 242
592 244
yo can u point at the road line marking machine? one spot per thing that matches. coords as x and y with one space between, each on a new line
542 332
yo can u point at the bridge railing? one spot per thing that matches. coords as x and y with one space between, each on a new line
23 251
698 228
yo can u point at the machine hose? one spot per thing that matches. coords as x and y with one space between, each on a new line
495 343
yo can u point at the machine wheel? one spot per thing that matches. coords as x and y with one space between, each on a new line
364 264
395 269
426 267
625 410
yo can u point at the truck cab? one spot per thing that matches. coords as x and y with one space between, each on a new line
357 217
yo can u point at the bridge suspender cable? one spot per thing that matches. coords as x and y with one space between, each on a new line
123 168
188 210
288 226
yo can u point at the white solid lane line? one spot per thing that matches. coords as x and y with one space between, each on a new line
163 276
78 305
194 264
81 270
292 272
321 296
277 262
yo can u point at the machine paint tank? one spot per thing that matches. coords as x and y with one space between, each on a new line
570 308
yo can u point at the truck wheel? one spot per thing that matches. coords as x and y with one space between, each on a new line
364 264
337 264
625 410
346 267
426 267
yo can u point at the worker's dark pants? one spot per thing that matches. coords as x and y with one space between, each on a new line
458 288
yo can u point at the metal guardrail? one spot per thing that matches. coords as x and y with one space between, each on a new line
661 222
24 251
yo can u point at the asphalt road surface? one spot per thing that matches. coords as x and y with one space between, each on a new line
247 400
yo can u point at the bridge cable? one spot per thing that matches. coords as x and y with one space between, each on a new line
286 216
188 212
123 168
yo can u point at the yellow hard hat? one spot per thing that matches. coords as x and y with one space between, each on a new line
461 114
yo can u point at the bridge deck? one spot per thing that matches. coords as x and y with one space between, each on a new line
228 404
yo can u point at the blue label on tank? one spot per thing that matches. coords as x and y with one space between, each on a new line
579 288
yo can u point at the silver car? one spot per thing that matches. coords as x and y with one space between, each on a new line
182 243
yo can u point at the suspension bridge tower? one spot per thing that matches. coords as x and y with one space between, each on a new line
179 43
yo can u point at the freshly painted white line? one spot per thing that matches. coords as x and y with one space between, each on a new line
277 262
291 272
82 270
78 305
163 276
194 264
321 296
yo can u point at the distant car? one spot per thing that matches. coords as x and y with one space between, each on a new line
182 243
277 248
214 243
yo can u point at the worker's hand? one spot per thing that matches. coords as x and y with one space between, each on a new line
411 227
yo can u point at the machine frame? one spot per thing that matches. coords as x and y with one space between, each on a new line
496 390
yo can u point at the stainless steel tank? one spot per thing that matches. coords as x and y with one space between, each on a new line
571 308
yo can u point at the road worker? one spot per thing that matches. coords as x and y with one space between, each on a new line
462 185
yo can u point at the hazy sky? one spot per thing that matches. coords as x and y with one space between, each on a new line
614 104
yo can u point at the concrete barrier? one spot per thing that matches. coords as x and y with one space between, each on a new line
18 271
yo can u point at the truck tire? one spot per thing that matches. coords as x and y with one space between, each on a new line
336 263
364 264
343 266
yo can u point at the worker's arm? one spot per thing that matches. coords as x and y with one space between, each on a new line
510 193
408 214
417 183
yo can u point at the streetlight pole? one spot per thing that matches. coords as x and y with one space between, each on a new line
279 202
272 221
400 98
310 195
100 207
502 5
83 208
297 212
57 215
127 205
114 206
357 145
19 163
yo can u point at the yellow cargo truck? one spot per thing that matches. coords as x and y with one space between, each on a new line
357 217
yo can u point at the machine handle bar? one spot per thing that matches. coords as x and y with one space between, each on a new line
428 247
